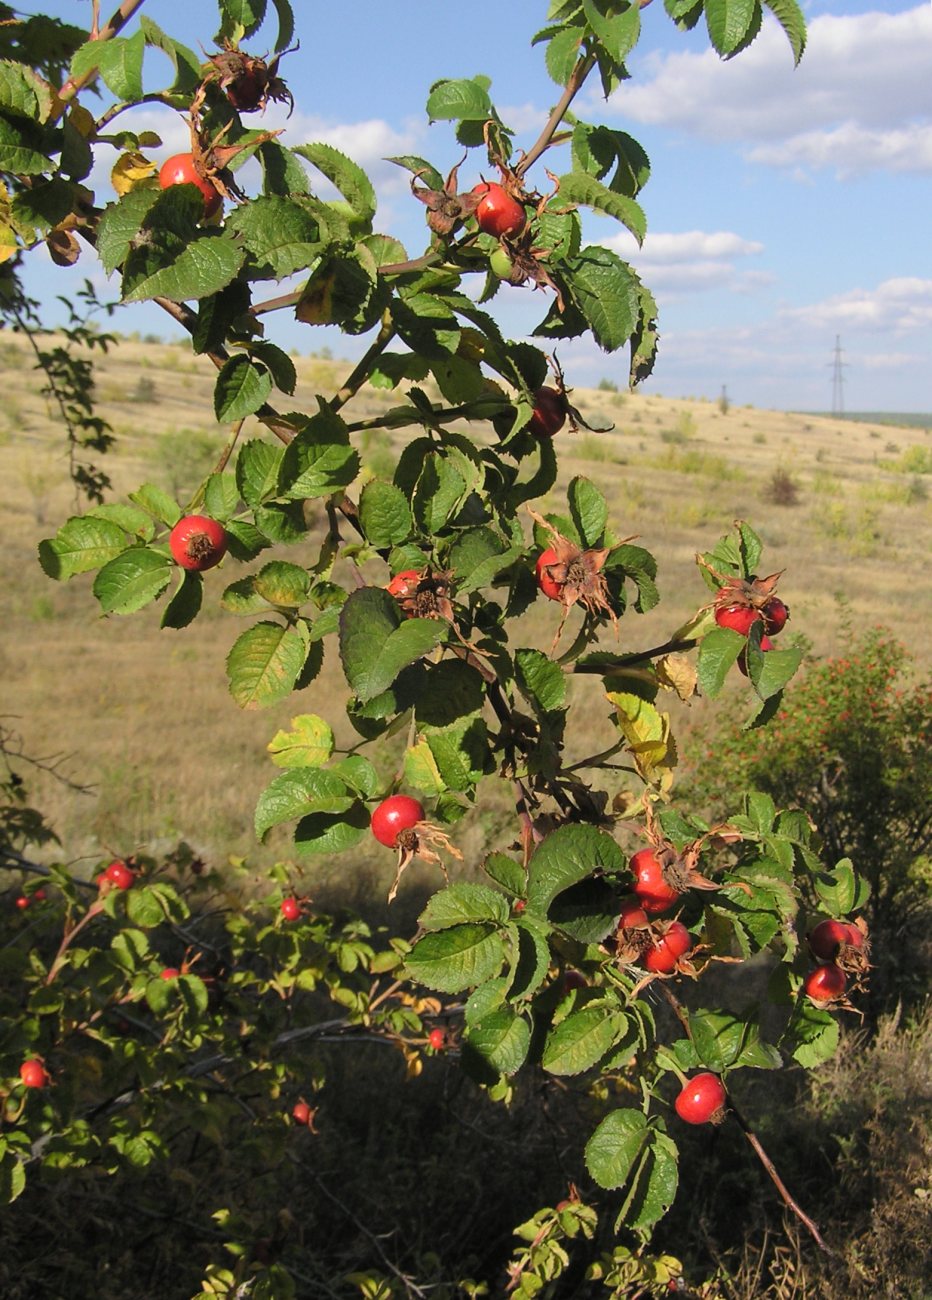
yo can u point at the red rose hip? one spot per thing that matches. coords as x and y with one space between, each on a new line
198 542
702 1100
181 169
397 813
497 212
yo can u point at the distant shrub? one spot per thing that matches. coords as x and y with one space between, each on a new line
607 386
781 489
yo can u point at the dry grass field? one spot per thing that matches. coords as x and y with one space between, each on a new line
142 716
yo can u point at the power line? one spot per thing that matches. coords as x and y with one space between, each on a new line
838 379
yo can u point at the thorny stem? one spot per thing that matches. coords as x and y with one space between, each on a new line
74 85
544 140
778 1182
228 449
267 414
360 372
625 661
69 937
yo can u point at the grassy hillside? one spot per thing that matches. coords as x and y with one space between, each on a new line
143 716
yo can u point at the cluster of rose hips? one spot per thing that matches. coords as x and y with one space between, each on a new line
737 609
838 946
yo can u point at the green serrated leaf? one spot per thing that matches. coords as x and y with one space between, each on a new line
582 1039
540 680
282 235
464 901
454 960
384 514
375 645
588 509
309 743
613 1149
459 100
81 544
132 580
264 663
502 1039
297 793
185 604
719 649
157 503
318 460
578 187
566 856
241 388
347 176
731 24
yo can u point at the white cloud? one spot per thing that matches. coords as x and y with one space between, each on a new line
858 100
898 306
688 261
851 149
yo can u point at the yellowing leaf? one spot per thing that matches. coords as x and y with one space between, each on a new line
308 744
650 740
82 120
130 170
8 245
421 770
677 672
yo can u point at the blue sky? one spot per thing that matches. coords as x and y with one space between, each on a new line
786 206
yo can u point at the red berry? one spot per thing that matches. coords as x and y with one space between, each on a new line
23 902
181 169
702 1100
828 936
549 414
775 614
662 957
301 1112
169 973
739 618
437 1039
519 905
397 813
33 1073
197 542
552 589
119 874
633 916
497 212
290 908
765 645
654 892
404 583
825 983
855 936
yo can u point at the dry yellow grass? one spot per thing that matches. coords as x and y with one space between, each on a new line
143 715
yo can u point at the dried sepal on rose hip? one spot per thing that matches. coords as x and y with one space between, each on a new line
844 943
662 873
423 593
741 602
248 82
572 575
446 208
633 936
398 823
